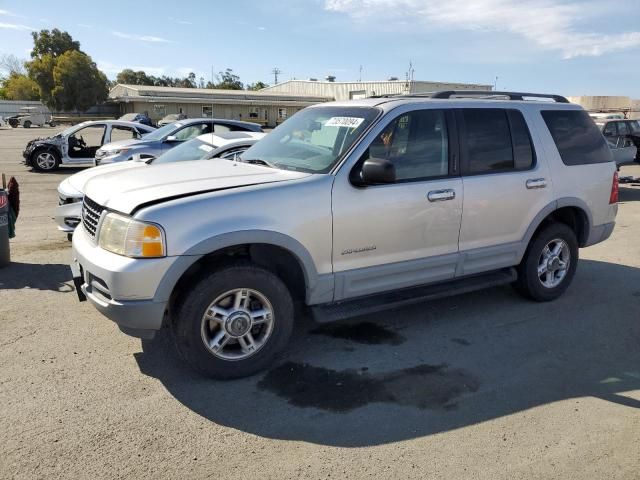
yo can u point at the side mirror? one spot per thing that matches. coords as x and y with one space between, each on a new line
376 171
171 139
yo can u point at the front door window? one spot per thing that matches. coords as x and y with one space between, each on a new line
85 142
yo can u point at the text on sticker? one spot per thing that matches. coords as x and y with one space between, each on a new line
349 122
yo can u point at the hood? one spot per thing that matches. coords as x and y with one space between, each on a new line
79 180
124 191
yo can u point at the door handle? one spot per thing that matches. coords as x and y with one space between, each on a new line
441 195
534 183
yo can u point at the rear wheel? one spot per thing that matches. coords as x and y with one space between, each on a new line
234 321
45 160
27 124
549 263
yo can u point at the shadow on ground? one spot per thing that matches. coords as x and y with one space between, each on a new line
48 276
456 362
629 194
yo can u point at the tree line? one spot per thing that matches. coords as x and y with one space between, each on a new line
65 78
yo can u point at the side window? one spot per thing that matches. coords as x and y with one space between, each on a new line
523 152
192 131
486 140
123 133
623 128
417 143
91 136
217 128
577 138
610 129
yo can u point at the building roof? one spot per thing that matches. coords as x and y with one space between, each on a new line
124 92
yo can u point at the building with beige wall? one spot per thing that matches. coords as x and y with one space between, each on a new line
264 107
354 90
609 104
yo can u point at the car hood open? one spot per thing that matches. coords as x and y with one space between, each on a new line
125 191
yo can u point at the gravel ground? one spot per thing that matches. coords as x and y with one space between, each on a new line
485 385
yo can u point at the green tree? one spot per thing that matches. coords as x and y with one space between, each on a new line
227 80
78 82
66 77
41 71
257 86
54 43
20 87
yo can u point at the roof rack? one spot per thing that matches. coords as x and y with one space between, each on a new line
494 94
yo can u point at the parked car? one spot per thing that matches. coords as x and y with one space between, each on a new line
31 116
350 208
167 137
623 137
77 145
173 117
225 145
142 118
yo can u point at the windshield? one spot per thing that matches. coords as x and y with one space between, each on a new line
194 149
313 140
635 126
70 130
128 117
162 132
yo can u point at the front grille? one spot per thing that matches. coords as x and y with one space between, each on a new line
91 213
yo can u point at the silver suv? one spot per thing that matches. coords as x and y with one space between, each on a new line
347 208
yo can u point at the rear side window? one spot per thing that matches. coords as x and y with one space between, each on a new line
577 138
495 140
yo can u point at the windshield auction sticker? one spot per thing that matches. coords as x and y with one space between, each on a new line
349 122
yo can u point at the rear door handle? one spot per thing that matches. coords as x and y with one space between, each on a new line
534 183
441 195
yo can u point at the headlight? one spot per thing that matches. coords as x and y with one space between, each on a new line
131 238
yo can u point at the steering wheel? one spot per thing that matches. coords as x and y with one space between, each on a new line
81 142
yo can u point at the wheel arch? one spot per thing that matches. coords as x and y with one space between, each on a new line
570 211
283 255
46 147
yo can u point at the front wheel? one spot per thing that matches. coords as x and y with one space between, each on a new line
27 124
549 263
45 160
233 321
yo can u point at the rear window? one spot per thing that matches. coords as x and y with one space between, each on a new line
577 138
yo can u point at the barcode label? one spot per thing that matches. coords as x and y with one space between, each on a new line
349 122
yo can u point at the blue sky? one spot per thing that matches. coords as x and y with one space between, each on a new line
571 47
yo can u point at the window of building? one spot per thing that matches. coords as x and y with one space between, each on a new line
416 143
577 138
282 113
207 111
253 113
159 110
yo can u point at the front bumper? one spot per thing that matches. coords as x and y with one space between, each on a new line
123 289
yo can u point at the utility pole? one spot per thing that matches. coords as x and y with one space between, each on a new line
495 83
276 71
360 77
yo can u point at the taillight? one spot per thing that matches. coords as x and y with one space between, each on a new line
614 189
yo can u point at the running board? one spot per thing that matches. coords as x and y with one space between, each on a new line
333 312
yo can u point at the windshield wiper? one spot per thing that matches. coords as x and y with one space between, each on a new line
258 161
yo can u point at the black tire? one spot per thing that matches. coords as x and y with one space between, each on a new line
37 167
187 321
13 123
52 124
529 283
27 124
